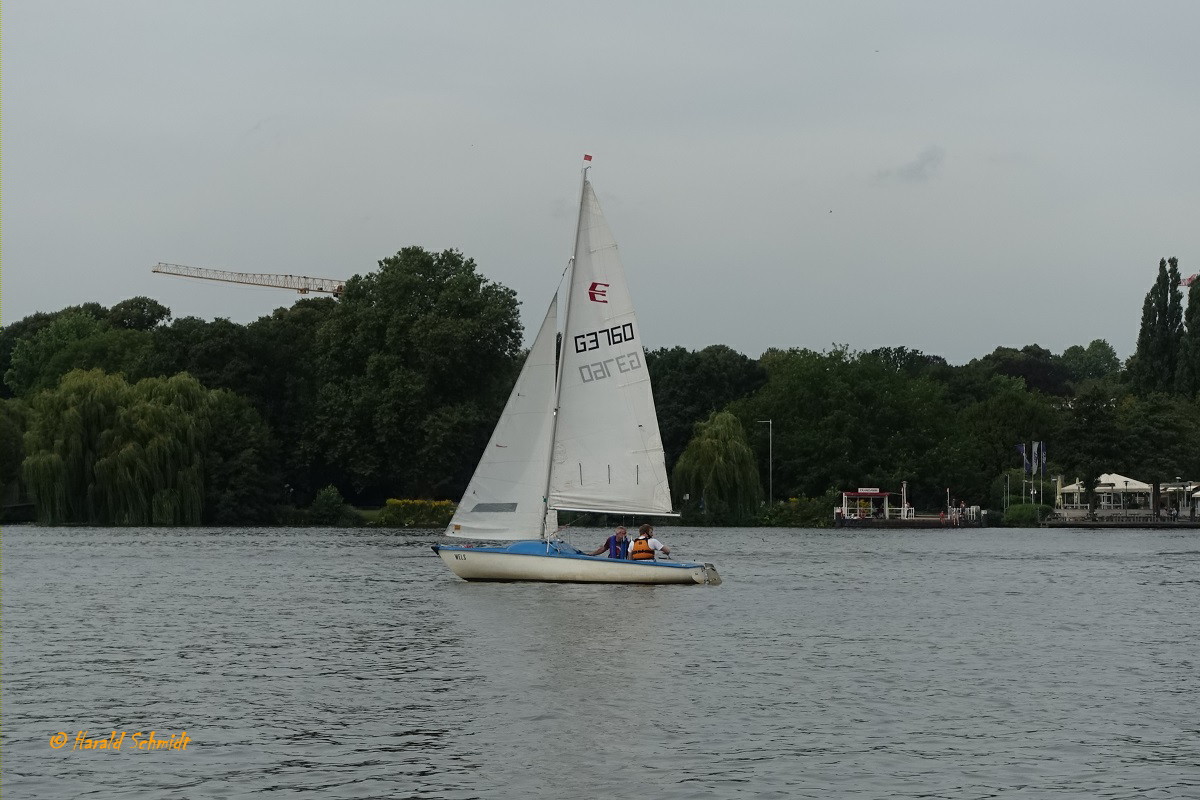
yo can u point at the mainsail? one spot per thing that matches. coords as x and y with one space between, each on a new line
608 453
506 496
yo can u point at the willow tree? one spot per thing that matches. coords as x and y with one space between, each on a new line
717 472
64 440
151 471
162 451
12 451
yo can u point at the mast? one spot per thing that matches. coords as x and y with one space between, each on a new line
566 315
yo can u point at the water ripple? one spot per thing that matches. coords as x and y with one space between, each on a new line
856 664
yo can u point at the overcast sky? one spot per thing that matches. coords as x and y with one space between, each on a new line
948 176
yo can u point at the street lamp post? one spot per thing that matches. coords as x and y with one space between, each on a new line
770 461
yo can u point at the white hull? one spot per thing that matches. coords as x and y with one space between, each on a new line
491 566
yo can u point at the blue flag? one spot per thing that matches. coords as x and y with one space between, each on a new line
1024 457
1043 458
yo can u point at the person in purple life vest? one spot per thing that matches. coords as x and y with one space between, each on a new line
617 545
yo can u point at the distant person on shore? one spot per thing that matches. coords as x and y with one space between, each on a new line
617 545
645 546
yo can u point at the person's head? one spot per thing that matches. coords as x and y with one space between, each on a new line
621 532
645 530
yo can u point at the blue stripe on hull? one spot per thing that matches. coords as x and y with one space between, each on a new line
537 547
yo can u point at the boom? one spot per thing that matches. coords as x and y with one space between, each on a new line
301 283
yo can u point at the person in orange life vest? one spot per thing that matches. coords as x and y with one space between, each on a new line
645 545
617 545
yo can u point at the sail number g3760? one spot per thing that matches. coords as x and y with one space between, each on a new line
617 334
604 369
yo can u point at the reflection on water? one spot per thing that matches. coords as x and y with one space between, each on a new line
829 664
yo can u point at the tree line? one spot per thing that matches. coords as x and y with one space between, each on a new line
125 416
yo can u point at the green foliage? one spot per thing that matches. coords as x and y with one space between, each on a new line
46 347
408 513
690 385
851 419
12 449
1187 371
413 367
913 363
1160 437
1014 486
138 314
1153 365
1091 440
328 508
271 363
718 472
986 431
802 512
1036 366
70 341
1026 515
242 485
283 348
1096 361
217 354
28 327
68 434
104 452
395 389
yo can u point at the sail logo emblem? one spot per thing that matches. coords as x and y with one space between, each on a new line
598 292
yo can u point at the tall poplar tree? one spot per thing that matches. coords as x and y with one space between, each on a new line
1187 372
1154 363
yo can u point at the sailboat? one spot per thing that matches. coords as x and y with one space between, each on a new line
579 434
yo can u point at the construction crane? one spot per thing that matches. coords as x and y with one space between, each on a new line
301 283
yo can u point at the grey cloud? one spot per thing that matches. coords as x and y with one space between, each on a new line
922 168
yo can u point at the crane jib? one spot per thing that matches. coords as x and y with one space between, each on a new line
300 283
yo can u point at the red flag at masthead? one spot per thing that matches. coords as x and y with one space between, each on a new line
587 156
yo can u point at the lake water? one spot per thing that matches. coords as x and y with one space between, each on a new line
830 664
